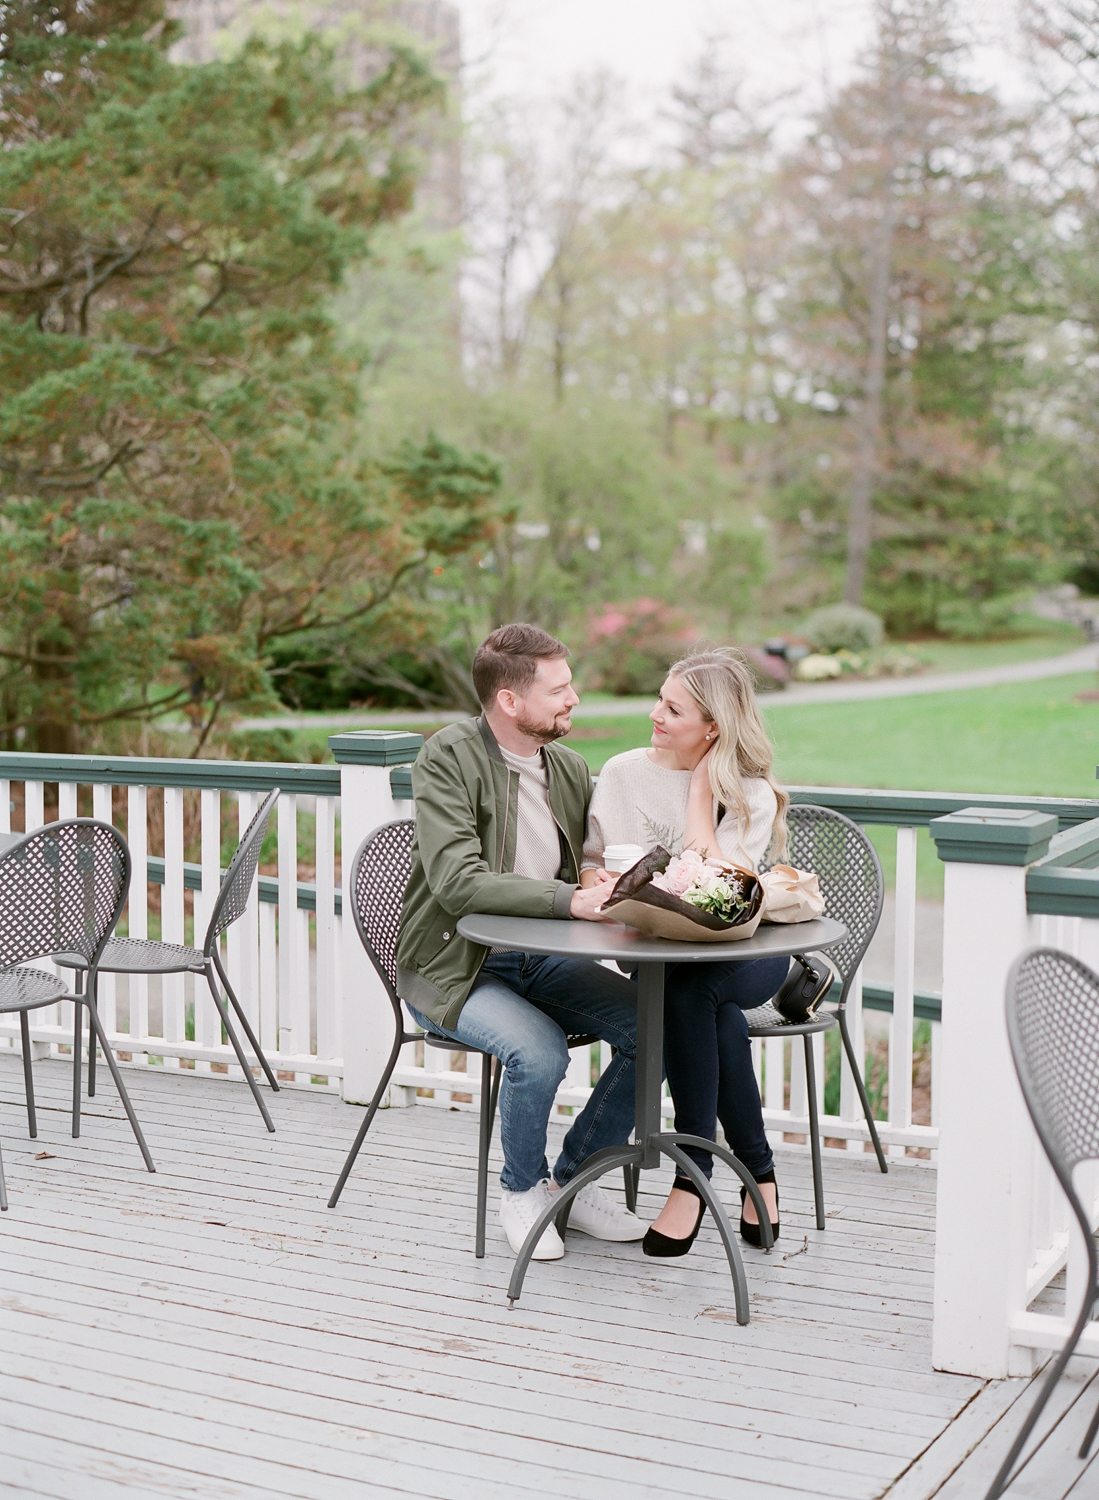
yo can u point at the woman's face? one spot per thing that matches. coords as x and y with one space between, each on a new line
679 725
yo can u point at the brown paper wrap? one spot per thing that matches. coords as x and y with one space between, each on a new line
639 903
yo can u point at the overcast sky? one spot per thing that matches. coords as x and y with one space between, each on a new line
534 45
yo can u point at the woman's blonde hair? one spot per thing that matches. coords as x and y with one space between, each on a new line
720 682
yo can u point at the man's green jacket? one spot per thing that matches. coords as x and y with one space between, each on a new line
463 858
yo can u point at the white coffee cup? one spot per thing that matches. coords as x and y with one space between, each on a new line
620 857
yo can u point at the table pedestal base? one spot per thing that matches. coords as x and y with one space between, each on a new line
668 1144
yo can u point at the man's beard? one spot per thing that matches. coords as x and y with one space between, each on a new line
544 733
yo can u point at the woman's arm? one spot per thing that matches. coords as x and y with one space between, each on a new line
700 833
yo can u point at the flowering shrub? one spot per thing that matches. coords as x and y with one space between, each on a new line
708 884
630 646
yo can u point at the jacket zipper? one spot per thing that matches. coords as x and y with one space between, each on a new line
561 831
507 813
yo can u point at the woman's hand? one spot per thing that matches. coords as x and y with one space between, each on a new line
700 833
700 789
589 878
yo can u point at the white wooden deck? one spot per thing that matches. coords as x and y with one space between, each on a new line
216 1331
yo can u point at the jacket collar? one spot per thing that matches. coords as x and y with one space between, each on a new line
493 747
489 738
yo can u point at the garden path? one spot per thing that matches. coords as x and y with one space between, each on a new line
1083 659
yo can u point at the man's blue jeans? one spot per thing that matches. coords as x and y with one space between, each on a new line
521 1008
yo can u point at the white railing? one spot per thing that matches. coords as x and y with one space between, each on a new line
1004 1229
282 956
323 1018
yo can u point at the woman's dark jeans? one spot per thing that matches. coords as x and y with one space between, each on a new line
708 1054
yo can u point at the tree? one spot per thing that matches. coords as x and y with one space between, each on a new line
918 292
181 480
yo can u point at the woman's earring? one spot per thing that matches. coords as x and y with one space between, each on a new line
709 736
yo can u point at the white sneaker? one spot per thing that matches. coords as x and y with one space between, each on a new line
596 1213
518 1212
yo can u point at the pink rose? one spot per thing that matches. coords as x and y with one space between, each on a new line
680 874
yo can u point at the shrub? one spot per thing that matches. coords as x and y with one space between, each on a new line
976 620
631 646
844 627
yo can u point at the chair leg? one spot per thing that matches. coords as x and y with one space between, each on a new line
483 1143
78 1059
79 987
1005 1476
253 1040
631 1176
368 1120
864 1100
223 1012
1089 1436
28 1074
814 1129
97 1027
498 1074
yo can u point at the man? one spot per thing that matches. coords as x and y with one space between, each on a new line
500 817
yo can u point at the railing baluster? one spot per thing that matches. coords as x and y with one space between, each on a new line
34 817
207 1020
137 836
244 933
302 989
268 977
327 1012
172 918
67 807
904 986
34 805
106 989
774 1081
850 1104
5 806
293 1025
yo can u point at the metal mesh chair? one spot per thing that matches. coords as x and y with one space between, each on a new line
141 956
1053 1028
849 870
62 889
379 875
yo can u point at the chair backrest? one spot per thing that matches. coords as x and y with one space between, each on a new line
62 890
849 871
379 875
1053 1027
232 901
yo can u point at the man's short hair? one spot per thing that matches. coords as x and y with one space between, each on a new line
509 657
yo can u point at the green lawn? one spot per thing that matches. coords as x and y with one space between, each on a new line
1026 738
1047 639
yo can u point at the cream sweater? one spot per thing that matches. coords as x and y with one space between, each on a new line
638 802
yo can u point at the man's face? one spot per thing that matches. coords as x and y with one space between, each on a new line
542 712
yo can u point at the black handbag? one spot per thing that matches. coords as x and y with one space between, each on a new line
803 989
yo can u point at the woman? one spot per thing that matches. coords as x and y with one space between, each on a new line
704 784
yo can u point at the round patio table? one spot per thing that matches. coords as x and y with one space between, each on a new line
601 940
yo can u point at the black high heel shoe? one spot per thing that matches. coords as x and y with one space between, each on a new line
664 1245
750 1232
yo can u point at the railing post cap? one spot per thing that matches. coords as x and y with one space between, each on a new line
993 835
375 747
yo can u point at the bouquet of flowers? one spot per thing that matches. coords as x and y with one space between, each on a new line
710 884
690 898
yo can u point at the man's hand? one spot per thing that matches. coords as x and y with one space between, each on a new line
585 903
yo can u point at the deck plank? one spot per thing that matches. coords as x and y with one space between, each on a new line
214 1330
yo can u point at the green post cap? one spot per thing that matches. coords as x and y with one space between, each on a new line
993 835
375 747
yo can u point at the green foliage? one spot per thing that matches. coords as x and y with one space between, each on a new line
844 627
181 479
